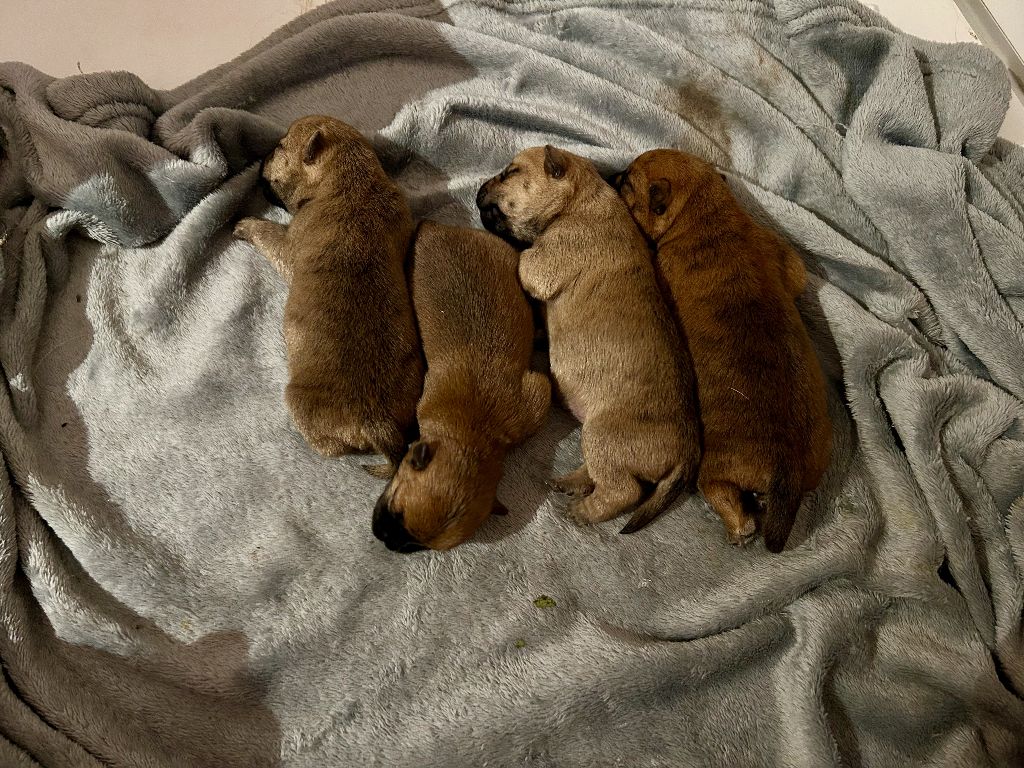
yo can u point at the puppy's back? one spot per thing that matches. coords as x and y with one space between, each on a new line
733 284
354 360
467 296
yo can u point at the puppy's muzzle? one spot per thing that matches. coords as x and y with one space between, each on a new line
268 191
493 219
490 214
389 528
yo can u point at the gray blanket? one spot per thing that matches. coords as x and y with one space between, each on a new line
184 583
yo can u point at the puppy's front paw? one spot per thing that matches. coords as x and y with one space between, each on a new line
246 229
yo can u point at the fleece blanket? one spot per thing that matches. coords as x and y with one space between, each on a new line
184 583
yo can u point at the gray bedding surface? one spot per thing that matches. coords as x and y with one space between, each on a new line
183 582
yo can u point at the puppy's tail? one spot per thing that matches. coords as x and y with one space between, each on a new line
664 493
781 507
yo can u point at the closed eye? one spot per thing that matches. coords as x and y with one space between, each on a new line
508 172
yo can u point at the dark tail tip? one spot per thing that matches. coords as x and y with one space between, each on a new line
664 493
780 513
635 523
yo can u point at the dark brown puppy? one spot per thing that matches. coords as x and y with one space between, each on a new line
479 396
354 375
732 285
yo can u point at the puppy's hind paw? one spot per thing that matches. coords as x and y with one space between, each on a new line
579 512
576 484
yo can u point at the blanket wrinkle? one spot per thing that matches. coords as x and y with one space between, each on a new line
184 583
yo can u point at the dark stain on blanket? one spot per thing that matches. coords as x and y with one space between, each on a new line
703 110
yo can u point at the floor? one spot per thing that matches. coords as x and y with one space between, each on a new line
161 42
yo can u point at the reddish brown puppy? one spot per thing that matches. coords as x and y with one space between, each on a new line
732 285
480 397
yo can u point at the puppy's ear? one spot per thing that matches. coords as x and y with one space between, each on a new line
658 195
420 455
554 162
313 147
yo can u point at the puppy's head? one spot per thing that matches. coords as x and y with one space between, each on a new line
521 201
313 159
443 491
656 187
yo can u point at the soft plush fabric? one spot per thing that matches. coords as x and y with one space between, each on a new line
183 582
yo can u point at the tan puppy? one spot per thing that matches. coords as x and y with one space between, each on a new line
354 374
479 396
767 435
615 354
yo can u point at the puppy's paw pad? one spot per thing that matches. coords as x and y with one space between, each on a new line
742 536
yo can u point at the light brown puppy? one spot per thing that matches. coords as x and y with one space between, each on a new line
479 396
354 374
616 357
767 435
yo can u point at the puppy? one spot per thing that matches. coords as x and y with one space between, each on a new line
479 396
354 366
615 355
732 285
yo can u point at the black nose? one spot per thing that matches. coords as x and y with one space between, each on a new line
389 528
489 212
493 219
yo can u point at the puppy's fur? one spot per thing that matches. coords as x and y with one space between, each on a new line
616 357
732 284
354 365
479 396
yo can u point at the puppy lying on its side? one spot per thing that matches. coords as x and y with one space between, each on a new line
354 374
616 357
479 396
767 435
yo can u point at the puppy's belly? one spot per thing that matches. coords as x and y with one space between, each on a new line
567 390
576 408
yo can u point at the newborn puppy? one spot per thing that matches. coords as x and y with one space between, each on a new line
479 396
767 436
354 366
616 357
